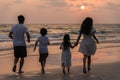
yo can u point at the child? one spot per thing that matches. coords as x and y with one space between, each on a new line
66 54
88 45
43 49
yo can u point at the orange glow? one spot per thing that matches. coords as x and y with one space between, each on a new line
82 7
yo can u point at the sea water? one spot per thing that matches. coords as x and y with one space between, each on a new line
106 33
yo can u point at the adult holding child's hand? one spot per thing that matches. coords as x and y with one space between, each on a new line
88 44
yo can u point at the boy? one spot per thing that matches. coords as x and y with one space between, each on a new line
43 49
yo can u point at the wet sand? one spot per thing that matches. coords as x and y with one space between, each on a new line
105 65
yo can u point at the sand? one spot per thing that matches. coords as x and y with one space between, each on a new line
105 65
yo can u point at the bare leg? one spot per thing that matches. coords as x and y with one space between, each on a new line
21 65
64 70
42 60
84 64
45 60
15 63
89 63
68 69
42 65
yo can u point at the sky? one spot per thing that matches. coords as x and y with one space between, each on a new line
59 11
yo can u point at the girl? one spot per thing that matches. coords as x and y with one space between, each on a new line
43 49
66 54
88 46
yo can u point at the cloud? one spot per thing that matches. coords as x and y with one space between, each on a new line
73 0
63 10
18 1
78 5
112 5
76 0
56 3
99 4
85 4
70 5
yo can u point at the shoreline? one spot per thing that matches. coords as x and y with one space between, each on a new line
104 71
105 65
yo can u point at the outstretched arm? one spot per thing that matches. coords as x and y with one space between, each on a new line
72 46
35 45
77 40
48 43
61 46
10 35
28 37
95 38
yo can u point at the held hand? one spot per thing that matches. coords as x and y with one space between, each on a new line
98 42
11 37
28 41
75 44
34 49
60 48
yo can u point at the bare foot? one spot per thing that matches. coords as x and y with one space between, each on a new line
20 72
43 71
64 71
68 70
14 69
89 69
84 70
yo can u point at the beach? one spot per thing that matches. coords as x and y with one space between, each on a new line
90 26
105 65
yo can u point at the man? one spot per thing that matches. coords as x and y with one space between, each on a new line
17 34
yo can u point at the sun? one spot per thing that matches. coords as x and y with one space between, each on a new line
82 7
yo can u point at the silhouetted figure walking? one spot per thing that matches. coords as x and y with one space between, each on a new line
88 45
66 53
17 35
43 41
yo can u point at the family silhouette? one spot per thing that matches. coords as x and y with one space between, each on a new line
87 45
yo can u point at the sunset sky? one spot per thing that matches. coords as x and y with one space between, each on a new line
59 11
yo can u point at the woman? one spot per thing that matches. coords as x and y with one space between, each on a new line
88 45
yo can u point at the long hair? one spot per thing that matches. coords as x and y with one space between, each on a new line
86 26
66 41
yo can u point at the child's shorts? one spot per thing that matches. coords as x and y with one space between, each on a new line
43 57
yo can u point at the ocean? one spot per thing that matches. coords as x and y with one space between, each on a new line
106 33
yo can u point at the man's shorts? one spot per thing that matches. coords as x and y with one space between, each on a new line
20 51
